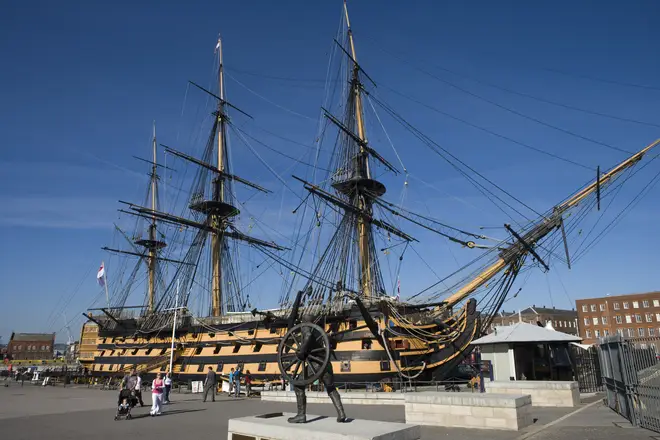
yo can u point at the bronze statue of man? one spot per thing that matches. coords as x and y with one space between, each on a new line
328 381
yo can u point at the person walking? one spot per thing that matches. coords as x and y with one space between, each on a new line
168 387
130 383
138 389
237 382
248 383
231 382
157 388
210 384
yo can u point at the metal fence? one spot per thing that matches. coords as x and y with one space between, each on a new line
631 373
587 369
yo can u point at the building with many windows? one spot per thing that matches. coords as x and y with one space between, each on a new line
562 320
31 346
632 316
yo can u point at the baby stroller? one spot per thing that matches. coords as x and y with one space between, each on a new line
127 400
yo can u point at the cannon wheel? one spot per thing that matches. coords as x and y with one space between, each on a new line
299 365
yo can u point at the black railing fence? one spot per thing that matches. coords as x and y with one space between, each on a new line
631 374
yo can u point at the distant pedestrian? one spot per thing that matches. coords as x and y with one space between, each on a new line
157 388
210 384
237 382
231 382
248 383
168 387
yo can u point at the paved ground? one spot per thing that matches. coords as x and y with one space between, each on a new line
57 413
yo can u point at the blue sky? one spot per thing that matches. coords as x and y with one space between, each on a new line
81 83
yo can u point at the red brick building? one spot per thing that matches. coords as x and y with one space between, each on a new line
632 316
31 346
562 320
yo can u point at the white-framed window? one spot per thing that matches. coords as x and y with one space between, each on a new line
651 331
584 307
554 324
565 324
641 332
656 303
618 319
628 319
631 332
588 333
616 306
649 317
657 317
603 320
620 331
595 319
635 304
593 307
638 318
586 321
606 332
625 305
645 303
597 333
602 307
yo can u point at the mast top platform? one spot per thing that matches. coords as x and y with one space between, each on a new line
216 208
360 185
150 244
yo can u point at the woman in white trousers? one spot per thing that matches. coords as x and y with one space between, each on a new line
157 388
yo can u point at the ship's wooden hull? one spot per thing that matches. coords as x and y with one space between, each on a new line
357 358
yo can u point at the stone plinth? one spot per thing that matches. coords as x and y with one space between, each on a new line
458 410
275 427
544 393
347 398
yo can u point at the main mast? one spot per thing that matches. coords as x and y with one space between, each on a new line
218 194
152 230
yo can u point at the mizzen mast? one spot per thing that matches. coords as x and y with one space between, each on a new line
151 244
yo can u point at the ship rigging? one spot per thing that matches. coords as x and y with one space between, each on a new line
332 268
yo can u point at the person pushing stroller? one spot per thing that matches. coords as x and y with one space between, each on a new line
127 395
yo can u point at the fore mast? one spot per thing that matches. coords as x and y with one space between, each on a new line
361 184
350 258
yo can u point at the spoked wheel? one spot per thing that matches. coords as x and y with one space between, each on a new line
303 354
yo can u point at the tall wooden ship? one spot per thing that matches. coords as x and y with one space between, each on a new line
426 335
